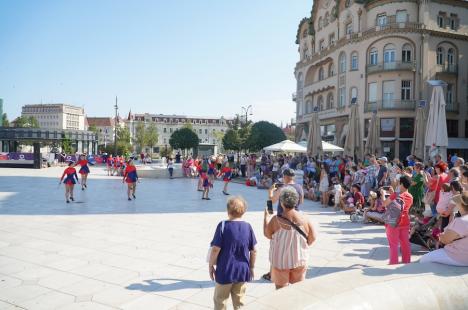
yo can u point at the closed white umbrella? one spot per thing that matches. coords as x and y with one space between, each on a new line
353 144
417 149
314 142
286 146
373 145
436 131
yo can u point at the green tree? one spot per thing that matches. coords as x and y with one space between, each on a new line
123 140
184 138
66 145
151 136
93 128
5 122
26 122
263 134
231 140
140 136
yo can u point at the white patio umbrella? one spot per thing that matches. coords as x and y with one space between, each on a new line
326 146
286 146
373 145
436 131
353 144
314 143
417 149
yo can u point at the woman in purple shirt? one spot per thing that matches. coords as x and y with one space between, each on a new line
233 253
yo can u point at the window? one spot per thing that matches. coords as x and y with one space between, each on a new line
440 21
401 16
381 19
206 131
372 92
342 63
388 88
373 57
440 56
389 56
366 127
331 39
308 106
170 130
341 94
354 61
452 128
450 57
320 103
449 94
453 21
199 131
321 45
353 94
164 130
406 127
330 101
349 28
405 90
321 74
331 70
387 127
406 53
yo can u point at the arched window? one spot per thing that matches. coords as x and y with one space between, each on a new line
331 70
321 74
309 107
320 103
440 56
320 23
406 53
342 62
389 53
450 56
354 61
353 94
373 57
300 81
330 101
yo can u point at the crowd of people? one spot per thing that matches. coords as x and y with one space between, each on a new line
418 202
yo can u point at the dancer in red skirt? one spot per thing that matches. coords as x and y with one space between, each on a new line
226 173
84 171
131 177
71 178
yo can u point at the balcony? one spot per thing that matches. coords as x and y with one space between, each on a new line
391 66
389 105
447 68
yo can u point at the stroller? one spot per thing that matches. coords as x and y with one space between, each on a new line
425 234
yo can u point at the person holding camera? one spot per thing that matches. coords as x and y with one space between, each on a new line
291 234
398 237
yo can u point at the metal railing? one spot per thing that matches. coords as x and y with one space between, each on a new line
383 105
391 66
447 68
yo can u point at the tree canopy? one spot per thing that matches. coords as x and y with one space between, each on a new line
231 140
26 122
151 135
263 134
184 138
5 122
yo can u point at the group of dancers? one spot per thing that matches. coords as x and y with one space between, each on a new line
125 168
207 171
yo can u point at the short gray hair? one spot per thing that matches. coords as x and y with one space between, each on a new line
289 198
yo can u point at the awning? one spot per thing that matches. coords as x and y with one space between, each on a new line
458 143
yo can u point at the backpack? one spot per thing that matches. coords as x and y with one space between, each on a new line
393 212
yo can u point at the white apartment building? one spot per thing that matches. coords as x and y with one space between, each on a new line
208 129
380 54
56 116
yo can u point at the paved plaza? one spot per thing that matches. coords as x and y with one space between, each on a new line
104 252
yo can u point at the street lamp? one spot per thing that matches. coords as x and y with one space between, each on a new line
246 111
116 107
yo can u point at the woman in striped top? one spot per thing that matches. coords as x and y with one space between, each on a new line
291 234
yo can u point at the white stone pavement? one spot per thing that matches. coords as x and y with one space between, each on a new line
104 252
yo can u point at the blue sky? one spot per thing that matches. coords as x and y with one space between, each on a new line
204 58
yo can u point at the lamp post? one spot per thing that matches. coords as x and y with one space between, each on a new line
246 111
116 107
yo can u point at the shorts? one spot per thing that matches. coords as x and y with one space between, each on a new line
283 277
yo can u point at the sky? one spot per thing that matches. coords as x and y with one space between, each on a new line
188 57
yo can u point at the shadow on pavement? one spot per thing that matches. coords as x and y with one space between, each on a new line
157 285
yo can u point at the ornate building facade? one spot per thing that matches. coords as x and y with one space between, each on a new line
380 54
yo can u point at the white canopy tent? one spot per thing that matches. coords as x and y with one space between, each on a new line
326 146
286 146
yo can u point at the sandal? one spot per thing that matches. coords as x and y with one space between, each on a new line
267 276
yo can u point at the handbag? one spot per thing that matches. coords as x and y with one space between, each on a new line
429 196
210 249
392 215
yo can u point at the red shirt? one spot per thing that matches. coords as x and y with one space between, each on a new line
83 162
359 198
443 178
407 203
